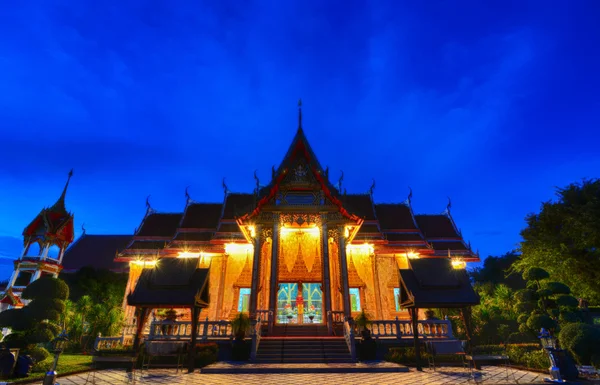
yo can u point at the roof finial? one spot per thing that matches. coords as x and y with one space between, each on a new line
225 189
187 194
60 203
340 181
83 228
409 194
148 203
257 182
299 114
372 188
449 205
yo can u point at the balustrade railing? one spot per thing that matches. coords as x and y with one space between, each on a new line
255 335
176 330
337 317
349 337
398 328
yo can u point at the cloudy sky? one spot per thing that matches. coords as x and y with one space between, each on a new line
492 103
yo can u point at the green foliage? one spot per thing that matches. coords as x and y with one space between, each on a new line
362 320
581 340
95 305
240 325
567 301
47 288
37 322
556 287
564 237
497 270
549 306
37 353
535 274
538 321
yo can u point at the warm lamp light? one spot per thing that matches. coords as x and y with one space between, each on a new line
412 255
366 248
144 264
237 248
188 254
347 231
295 230
459 264
252 231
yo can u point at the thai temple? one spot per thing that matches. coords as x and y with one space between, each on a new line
299 250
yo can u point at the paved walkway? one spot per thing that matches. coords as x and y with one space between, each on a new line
444 375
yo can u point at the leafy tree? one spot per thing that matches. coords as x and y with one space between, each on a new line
498 270
544 303
564 239
38 322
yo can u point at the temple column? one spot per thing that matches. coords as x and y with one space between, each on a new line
273 281
344 271
377 290
255 272
326 273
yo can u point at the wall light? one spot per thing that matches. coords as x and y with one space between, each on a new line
412 255
252 231
458 264
188 254
144 264
238 248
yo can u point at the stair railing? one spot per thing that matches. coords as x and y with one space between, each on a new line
349 337
256 335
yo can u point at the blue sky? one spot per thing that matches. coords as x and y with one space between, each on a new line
491 103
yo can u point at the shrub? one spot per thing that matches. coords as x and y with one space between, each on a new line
581 340
538 321
206 354
535 274
38 353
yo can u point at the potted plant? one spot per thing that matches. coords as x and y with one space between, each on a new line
311 313
362 321
169 318
239 325
289 312
367 347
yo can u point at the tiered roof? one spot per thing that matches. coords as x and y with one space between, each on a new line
206 227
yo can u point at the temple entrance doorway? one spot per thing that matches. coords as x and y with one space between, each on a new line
300 303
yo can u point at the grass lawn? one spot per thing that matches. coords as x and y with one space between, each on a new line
67 363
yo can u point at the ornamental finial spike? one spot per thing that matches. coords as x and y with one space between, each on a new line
60 203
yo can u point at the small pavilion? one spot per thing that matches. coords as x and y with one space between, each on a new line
172 283
435 284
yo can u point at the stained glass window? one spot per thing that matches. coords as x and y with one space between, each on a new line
355 299
397 298
244 300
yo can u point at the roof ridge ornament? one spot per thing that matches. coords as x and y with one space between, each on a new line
340 181
372 188
408 200
187 194
448 206
257 182
83 228
225 189
60 203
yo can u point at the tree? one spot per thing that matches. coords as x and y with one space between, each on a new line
564 239
38 322
498 270
544 303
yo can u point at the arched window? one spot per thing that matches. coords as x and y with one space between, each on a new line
33 250
54 252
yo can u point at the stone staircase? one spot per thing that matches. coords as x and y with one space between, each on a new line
302 344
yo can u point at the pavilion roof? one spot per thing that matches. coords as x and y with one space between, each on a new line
434 283
173 282
97 251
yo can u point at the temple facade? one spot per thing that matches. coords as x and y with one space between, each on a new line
299 250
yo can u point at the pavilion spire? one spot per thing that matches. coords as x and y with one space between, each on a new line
60 203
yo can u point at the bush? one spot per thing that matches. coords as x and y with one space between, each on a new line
38 354
535 274
206 354
581 340
538 321
47 287
530 355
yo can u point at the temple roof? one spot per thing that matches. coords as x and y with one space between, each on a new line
202 215
53 223
437 226
395 216
159 225
174 282
97 251
447 287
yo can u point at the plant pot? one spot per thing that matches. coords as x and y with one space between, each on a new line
311 318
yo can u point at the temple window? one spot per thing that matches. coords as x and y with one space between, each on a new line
244 300
355 299
54 252
23 278
33 250
397 299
